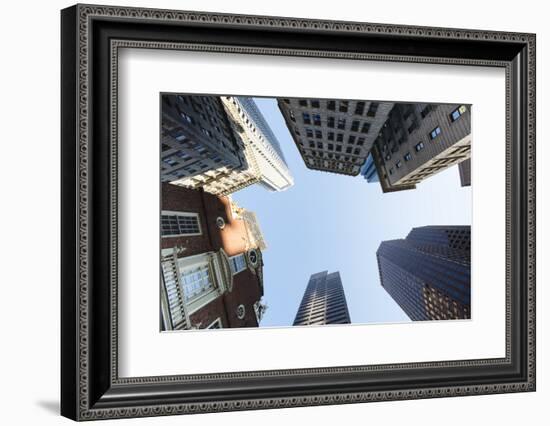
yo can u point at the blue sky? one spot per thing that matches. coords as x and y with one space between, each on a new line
334 222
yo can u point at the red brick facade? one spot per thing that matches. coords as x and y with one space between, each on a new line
247 288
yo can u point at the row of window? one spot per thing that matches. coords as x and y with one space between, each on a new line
332 122
341 106
338 137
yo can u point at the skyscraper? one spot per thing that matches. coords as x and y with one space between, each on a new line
428 273
262 148
368 171
218 144
465 171
197 141
334 135
419 140
324 301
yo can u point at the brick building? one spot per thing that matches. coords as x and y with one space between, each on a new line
211 262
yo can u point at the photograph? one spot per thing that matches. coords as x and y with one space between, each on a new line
282 211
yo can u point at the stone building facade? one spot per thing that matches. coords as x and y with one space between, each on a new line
334 135
219 144
420 140
211 269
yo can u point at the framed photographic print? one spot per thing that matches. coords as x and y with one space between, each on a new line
264 212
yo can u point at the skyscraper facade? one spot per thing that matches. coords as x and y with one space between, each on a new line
334 135
419 140
368 171
465 171
262 149
198 145
428 273
220 145
324 301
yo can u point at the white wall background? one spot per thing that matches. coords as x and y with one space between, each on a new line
29 225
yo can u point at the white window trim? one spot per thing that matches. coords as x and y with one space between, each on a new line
188 214
216 321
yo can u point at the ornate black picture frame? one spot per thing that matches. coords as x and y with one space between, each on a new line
91 36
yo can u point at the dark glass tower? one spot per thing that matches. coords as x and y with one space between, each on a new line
428 273
324 301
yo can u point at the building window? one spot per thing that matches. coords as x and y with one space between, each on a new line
217 323
187 118
318 134
351 139
180 223
317 119
340 137
435 133
237 263
338 148
412 127
407 156
361 141
419 146
303 102
330 122
306 117
319 145
391 170
455 115
341 123
315 103
331 105
426 110
309 133
331 147
344 106
311 144
196 281
398 164
354 126
373 107
365 128
330 136
292 117
360 108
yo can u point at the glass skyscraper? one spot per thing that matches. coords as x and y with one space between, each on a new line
324 301
428 273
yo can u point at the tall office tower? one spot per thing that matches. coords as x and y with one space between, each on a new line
465 171
324 301
428 273
334 135
220 145
262 149
419 140
198 145
368 171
